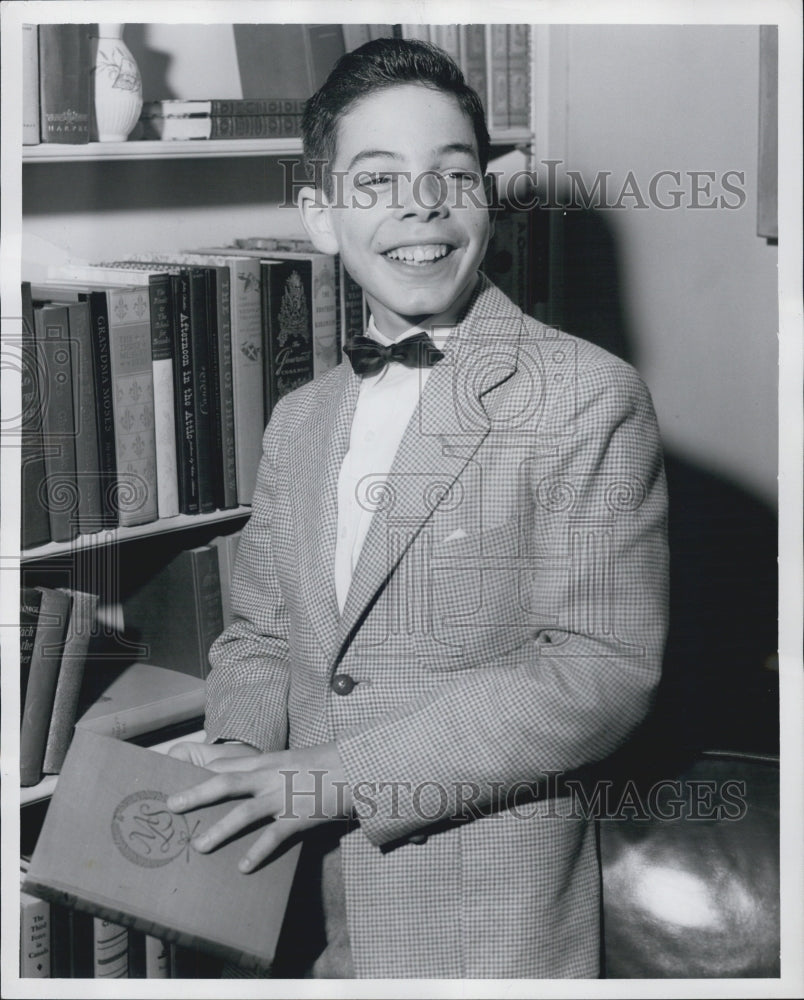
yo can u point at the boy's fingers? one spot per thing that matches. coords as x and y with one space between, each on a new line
222 786
232 823
247 762
268 841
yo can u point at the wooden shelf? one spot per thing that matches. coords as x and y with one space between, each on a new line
113 536
47 786
181 149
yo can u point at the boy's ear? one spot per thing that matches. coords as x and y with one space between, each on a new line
316 219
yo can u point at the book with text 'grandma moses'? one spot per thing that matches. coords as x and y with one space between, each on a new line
110 847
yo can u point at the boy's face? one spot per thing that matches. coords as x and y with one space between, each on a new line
408 211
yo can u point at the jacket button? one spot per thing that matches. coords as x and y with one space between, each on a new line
418 838
343 684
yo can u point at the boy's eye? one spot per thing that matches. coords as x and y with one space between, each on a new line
373 178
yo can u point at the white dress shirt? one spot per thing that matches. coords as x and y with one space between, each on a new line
384 407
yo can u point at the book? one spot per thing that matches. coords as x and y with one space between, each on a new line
287 329
473 59
30 601
133 404
51 629
226 547
324 46
506 261
302 56
144 873
203 399
186 445
176 108
87 460
222 127
81 625
518 75
54 354
160 295
148 956
176 613
352 306
64 82
35 937
497 48
109 949
104 405
30 85
35 527
219 321
143 698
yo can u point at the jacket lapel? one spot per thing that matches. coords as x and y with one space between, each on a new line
448 426
315 459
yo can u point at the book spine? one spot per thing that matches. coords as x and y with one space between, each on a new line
242 107
247 372
254 126
87 461
58 428
64 82
202 388
221 351
140 719
35 937
157 958
104 391
326 349
51 627
68 687
288 328
473 60
209 606
110 949
186 447
133 403
30 602
35 520
518 75
30 85
159 289
351 301
497 45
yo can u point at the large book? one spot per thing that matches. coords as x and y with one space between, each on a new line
133 404
497 48
54 354
80 627
35 936
219 107
143 698
473 59
518 75
51 629
203 398
144 873
302 56
35 528
186 443
287 329
222 127
104 405
176 613
30 85
30 602
64 82
219 325
162 345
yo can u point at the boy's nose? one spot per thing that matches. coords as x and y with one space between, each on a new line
425 196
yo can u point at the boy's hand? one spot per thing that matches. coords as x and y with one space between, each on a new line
291 790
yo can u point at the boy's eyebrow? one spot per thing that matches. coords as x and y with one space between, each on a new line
369 154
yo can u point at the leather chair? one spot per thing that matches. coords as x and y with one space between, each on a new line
696 894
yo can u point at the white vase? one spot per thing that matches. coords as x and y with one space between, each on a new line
117 86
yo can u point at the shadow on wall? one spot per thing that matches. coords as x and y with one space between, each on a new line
720 686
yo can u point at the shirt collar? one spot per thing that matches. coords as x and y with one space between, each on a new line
431 326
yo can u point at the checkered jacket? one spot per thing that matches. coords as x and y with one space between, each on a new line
505 621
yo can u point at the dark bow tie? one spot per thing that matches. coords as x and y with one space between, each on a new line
368 357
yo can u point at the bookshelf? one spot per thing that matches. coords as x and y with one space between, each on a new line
102 201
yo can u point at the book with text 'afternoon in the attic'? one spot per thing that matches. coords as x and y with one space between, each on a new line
109 846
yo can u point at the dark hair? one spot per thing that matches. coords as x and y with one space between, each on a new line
375 66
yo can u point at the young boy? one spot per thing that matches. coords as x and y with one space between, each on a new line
452 587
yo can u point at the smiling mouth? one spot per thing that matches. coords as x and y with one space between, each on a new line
420 255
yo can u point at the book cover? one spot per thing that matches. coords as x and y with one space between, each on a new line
142 698
133 404
51 629
287 72
35 944
35 527
54 353
144 873
497 48
83 610
203 399
220 354
287 328
87 459
30 601
473 59
65 60
325 46
30 85
177 613
518 76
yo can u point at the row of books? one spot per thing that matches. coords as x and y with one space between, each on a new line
169 621
57 942
148 383
221 119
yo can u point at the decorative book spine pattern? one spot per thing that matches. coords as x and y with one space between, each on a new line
164 410
202 389
326 349
518 75
186 447
58 428
30 601
254 126
64 82
226 486
247 373
35 520
104 404
110 949
132 374
288 329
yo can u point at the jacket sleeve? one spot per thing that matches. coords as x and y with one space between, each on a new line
572 690
247 687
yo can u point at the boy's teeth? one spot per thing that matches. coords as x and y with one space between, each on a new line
417 254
